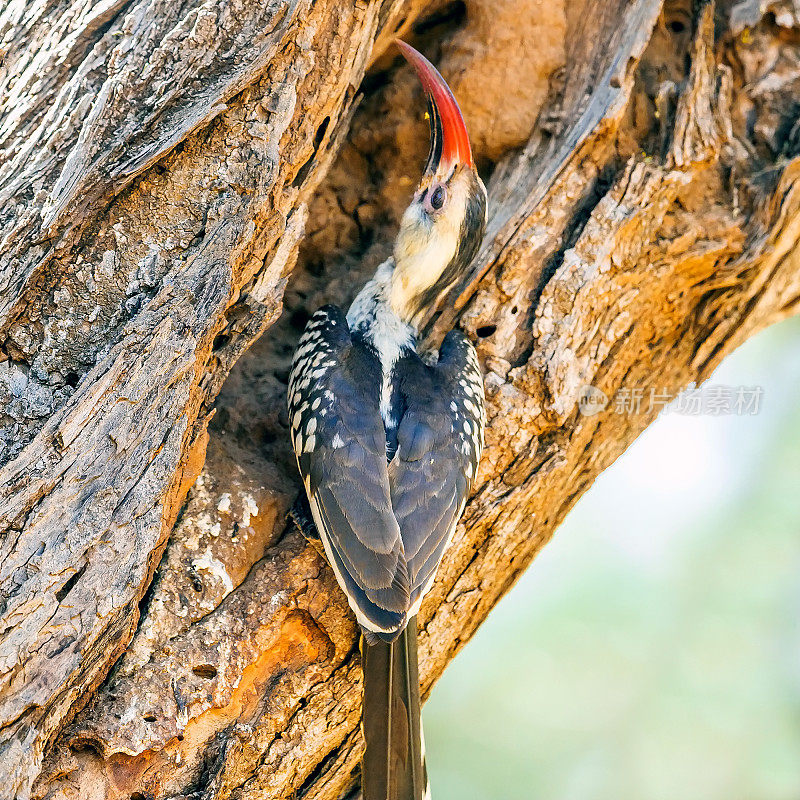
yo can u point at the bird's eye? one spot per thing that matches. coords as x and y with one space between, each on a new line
436 198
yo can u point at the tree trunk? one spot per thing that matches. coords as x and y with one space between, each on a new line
166 169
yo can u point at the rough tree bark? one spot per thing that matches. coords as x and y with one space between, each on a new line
173 175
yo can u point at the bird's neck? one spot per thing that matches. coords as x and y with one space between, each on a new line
374 318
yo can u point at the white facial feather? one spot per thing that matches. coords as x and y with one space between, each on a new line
386 307
425 245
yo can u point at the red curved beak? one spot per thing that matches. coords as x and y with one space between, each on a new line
449 137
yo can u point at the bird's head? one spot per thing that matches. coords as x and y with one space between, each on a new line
442 228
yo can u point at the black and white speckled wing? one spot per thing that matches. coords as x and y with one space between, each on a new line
440 439
340 444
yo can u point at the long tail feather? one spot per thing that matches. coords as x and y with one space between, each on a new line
393 767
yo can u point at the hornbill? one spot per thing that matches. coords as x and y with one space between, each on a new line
388 442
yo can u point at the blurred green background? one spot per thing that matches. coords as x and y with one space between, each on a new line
652 650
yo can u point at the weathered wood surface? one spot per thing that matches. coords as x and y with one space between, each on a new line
127 291
164 163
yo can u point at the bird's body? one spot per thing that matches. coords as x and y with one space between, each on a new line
388 445
388 442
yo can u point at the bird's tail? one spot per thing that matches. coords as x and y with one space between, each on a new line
393 767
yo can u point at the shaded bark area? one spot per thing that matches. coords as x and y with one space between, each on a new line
645 211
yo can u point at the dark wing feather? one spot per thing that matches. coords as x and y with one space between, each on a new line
440 439
340 443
